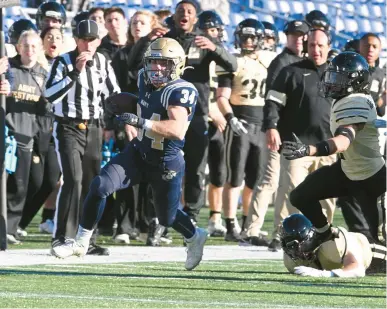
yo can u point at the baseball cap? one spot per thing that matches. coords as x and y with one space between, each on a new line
296 26
87 29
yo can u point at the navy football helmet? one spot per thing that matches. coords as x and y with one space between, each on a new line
211 19
347 73
296 229
50 9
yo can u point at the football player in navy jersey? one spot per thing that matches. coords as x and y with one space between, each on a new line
165 107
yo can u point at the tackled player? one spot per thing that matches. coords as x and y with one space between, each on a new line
348 255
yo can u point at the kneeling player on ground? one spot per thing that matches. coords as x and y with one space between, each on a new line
348 255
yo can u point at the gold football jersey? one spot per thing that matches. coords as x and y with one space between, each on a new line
331 253
249 82
362 159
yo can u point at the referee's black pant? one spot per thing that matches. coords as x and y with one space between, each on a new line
79 154
195 155
329 182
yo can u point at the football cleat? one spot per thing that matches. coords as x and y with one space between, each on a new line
68 248
312 243
195 248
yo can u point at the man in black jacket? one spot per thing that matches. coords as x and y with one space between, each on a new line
200 51
295 31
116 38
294 105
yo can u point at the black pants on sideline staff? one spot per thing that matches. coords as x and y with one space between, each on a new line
195 155
216 156
79 153
329 182
44 176
17 184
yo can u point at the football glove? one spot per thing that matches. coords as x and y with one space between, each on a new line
237 126
132 120
295 149
312 272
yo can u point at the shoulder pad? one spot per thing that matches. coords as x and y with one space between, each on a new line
331 253
179 94
352 109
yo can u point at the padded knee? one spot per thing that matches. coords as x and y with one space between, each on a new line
101 186
295 199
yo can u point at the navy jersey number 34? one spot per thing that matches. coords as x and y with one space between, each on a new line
153 105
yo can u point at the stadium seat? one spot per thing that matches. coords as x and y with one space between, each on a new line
297 7
130 12
376 10
271 5
236 18
165 3
339 25
266 17
103 3
350 25
363 10
364 25
12 12
323 7
250 15
150 4
349 9
135 3
284 7
120 3
377 27
309 6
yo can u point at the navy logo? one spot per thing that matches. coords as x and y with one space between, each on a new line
168 175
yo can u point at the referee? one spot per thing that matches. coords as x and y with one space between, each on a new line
76 84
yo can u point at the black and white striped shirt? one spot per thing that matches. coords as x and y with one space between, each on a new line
78 95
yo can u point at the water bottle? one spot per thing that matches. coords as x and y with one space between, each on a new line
106 154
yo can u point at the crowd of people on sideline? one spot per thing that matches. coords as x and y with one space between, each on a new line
287 128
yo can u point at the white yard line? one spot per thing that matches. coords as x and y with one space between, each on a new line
206 303
24 257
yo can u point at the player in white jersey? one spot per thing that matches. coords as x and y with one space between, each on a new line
361 170
349 255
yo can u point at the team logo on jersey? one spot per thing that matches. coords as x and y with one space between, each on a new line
168 175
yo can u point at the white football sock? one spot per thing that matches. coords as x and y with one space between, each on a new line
83 236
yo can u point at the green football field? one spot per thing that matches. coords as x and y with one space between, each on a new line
232 283
214 284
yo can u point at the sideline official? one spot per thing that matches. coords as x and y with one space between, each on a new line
75 86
